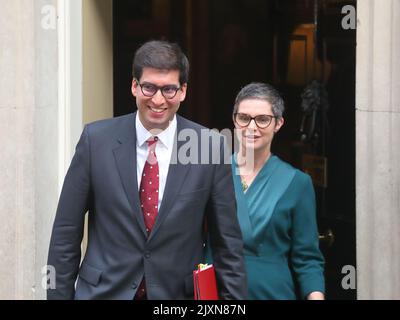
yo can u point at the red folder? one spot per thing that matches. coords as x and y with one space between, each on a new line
205 285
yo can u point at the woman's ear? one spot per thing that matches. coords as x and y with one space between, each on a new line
279 123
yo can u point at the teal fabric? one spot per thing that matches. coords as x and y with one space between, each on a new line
277 216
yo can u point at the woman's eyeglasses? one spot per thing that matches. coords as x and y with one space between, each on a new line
262 120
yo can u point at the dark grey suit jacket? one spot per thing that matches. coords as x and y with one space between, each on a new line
102 180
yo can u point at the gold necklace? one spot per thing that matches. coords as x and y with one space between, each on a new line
244 184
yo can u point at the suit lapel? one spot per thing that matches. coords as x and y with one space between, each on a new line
125 157
176 175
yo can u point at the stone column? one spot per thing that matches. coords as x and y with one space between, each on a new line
378 149
29 162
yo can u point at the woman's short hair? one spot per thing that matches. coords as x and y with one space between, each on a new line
261 91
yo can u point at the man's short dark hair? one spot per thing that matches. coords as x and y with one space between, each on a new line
161 55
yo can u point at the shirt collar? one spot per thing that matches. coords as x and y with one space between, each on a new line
166 137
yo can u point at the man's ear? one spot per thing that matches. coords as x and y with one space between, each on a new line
183 92
134 87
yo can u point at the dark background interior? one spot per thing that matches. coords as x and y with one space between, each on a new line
233 42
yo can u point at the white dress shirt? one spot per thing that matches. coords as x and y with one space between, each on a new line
164 149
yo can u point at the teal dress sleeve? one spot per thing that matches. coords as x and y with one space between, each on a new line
306 258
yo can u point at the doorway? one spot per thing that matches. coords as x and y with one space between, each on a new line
299 47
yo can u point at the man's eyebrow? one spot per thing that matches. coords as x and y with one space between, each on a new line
167 85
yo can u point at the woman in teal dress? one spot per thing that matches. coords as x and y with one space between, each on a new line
276 205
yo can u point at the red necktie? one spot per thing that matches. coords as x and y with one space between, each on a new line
149 186
148 192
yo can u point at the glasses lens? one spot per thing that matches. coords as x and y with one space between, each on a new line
149 89
169 92
242 119
263 121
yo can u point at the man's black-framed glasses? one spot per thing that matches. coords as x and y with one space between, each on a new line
262 120
149 90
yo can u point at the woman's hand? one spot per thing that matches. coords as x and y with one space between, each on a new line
316 295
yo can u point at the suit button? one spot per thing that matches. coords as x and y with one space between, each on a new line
147 254
134 286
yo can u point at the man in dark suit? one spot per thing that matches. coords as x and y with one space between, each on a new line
147 205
